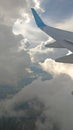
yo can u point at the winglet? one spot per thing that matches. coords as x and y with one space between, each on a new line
38 20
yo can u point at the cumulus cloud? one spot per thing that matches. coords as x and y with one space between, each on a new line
56 68
29 31
25 44
41 53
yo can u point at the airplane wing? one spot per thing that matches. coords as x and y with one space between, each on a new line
66 59
54 45
64 39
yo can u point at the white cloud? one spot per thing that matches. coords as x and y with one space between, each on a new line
25 45
56 68
25 17
41 53
29 31
37 4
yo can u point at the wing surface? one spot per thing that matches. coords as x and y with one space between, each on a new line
53 45
64 39
66 59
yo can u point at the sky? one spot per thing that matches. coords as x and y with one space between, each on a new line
25 62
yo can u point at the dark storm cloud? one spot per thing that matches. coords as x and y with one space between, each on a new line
58 9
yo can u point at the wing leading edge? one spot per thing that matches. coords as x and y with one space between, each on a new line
63 38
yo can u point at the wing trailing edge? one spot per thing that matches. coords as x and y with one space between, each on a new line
53 45
65 59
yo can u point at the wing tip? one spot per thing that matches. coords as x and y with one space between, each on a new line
38 20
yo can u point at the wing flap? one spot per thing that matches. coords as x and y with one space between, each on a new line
65 59
53 45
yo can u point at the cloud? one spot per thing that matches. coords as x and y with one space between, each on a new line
25 45
13 63
56 68
21 26
11 10
56 96
41 53
29 31
66 24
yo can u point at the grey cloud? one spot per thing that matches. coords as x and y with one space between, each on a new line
37 70
56 97
12 62
10 10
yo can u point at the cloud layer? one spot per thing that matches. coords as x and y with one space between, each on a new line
56 97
